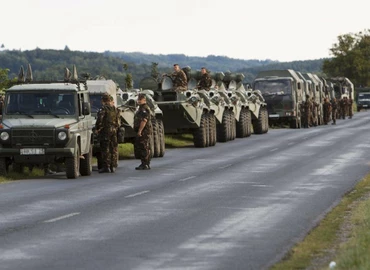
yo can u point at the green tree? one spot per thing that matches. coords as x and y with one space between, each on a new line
4 80
351 58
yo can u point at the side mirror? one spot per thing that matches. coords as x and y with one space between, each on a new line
86 108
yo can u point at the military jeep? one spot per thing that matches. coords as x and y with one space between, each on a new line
47 123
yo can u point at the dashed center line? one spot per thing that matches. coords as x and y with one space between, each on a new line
137 194
61 217
187 178
273 150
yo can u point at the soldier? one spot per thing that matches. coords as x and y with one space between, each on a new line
307 106
334 107
205 81
343 107
327 110
314 115
179 79
350 108
107 124
143 128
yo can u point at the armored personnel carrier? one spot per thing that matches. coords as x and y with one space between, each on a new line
185 111
47 123
249 107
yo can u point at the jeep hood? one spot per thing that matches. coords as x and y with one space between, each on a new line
47 123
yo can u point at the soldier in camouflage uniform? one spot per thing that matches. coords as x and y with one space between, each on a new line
334 107
205 81
350 108
107 124
307 106
179 79
343 108
314 111
327 110
143 128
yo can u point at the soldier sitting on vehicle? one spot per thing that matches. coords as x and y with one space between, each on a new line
179 79
205 81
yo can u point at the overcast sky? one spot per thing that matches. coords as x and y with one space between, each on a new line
283 30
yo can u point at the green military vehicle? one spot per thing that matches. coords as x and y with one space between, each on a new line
47 123
185 111
317 96
249 107
283 93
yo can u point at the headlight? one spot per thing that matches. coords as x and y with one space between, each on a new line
4 136
62 135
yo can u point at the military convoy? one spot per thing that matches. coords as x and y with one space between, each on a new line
220 114
46 123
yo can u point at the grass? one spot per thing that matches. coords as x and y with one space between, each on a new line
178 140
325 242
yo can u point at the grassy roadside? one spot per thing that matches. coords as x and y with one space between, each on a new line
342 236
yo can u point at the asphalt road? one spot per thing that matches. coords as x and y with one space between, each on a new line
238 205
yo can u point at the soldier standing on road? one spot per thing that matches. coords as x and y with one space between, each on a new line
107 124
327 110
334 107
179 79
350 108
343 108
307 106
205 81
314 112
143 129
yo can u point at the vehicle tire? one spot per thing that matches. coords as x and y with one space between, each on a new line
233 125
200 133
4 167
258 123
208 129
248 120
241 124
212 130
162 145
156 139
151 144
86 164
265 120
18 168
222 128
73 165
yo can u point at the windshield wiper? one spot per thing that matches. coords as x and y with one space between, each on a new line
48 112
24 113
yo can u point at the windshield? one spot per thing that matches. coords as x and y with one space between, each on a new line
274 87
95 101
40 103
364 96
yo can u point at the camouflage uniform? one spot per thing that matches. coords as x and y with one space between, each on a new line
314 115
343 107
327 110
142 143
107 124
307 106
350 108
334 107
179 80
205 82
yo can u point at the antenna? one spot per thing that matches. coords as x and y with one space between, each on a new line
21 77
29 76
67 75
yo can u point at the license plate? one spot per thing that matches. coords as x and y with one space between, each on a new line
274 115
33 151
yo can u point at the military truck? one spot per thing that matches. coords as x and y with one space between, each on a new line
343 87
47 123
183 112
363 100
283 93
249 106
318 97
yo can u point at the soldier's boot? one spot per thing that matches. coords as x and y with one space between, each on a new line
142 167
48 171
104 170
112 169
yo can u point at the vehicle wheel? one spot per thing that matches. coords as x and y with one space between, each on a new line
258 123
294 123
73 165
222 128
200 133
86 164
4 166
151 144
156 139
241 125
208 135
248 120
265 120
162 144
212 130
18 168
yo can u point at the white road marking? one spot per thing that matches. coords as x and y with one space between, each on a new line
137 194
62 217
187 178
273 150
261 185
226 166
